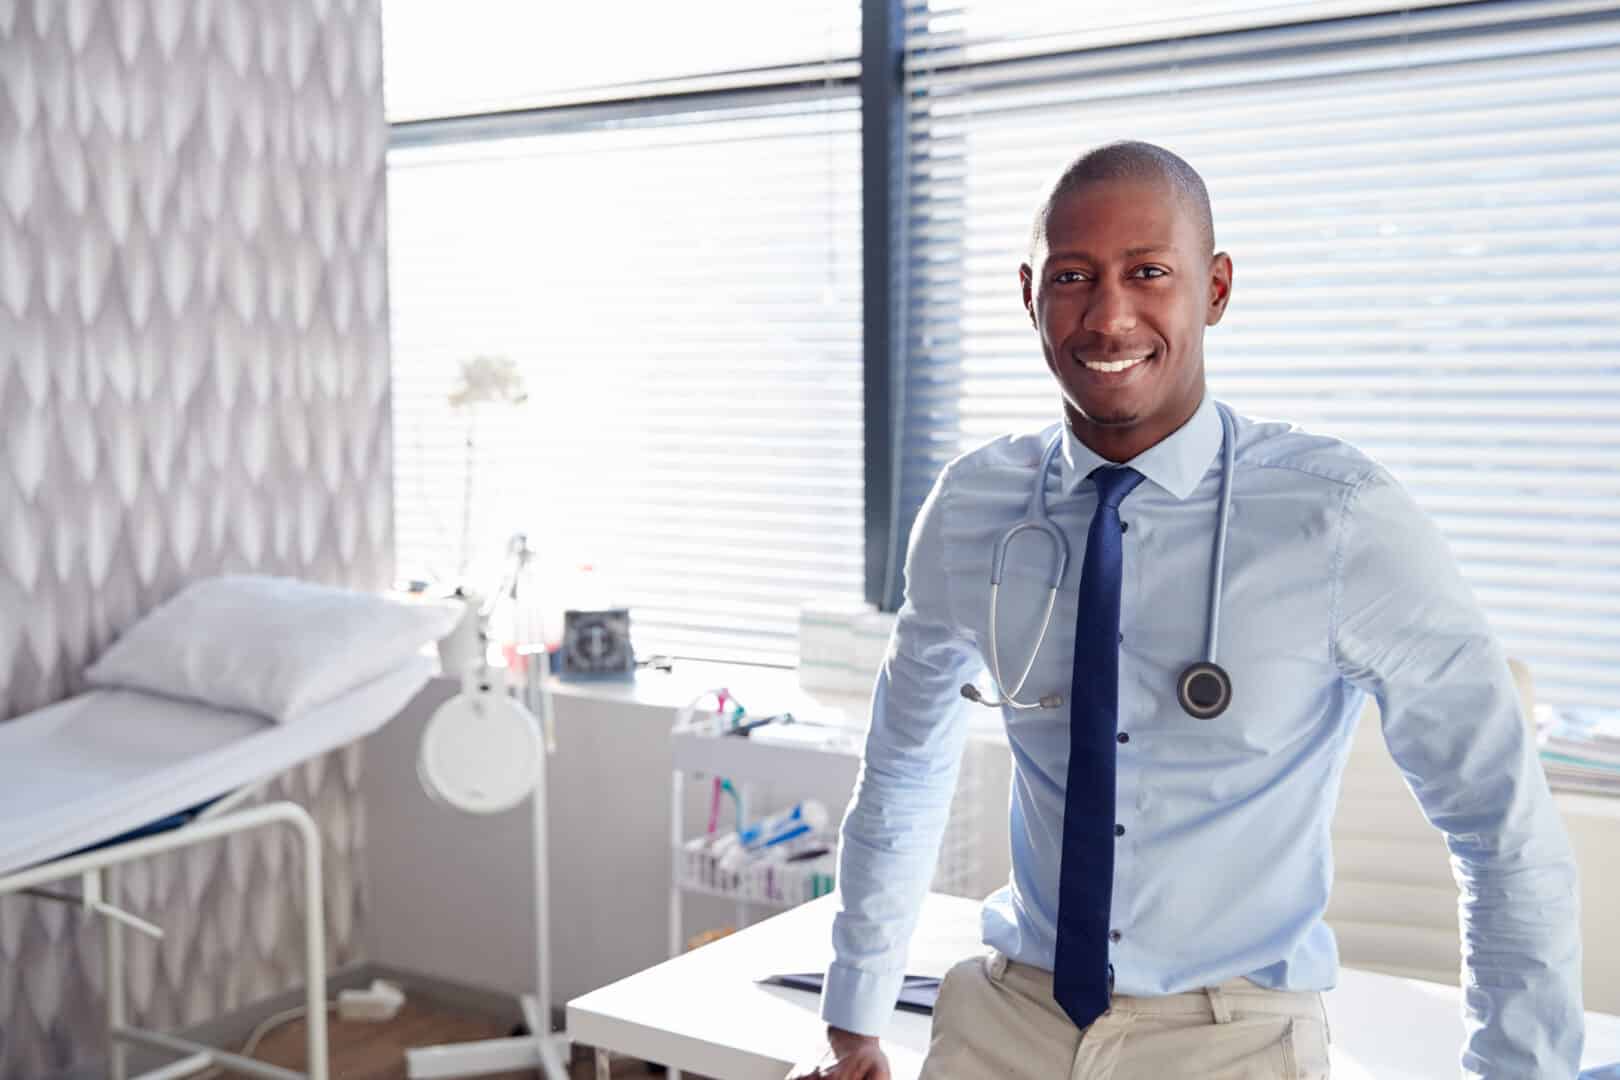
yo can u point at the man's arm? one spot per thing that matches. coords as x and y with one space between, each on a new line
891 832
1407 629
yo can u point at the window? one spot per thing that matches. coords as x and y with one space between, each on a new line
1424 213
491 55
664 295
665 245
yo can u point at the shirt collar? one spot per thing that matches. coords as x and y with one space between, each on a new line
1176 463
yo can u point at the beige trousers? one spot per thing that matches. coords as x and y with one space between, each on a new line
997 1019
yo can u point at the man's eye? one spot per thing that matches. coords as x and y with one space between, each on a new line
1151 272
1068 277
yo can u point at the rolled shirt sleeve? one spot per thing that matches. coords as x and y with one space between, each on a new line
1406 629
891 832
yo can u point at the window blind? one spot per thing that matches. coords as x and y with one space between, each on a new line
491 55
1423 208
676 282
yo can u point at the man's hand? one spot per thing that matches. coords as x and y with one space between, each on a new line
846 1056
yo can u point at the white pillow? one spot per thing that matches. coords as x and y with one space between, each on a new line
269 645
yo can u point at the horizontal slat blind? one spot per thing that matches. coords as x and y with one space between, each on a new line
477 56
1424 213
683 300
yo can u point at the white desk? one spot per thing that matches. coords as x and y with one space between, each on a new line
704 1013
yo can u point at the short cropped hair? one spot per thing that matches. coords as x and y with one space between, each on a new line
1130 161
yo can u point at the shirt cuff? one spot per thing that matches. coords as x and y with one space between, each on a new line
859 1001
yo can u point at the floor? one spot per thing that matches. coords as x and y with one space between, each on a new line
376 1051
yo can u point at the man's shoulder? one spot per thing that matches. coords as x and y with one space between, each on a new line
1015 452
1289 449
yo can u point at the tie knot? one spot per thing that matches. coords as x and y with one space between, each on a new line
1113 484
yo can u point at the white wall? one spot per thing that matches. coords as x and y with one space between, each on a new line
453 893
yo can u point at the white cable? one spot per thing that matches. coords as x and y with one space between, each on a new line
265 1027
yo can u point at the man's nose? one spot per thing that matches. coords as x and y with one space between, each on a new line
1109 311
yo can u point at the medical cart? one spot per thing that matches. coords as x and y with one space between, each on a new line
832 763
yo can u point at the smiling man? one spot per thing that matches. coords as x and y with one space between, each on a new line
1169 834
1127 285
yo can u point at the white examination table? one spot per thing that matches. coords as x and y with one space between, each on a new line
79 778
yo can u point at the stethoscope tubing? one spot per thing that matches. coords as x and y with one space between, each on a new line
1039 520
1217 574
1010 697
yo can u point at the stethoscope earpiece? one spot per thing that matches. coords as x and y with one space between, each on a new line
1204 690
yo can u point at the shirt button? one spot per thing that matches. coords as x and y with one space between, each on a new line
1114 935
1122 737
1124 526
1119 830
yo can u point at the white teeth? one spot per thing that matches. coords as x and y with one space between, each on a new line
1114 365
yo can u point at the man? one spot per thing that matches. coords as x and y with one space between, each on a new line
1171 868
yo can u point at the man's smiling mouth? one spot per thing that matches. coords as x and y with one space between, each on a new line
1114 366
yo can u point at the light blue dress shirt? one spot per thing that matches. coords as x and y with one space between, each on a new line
1336 586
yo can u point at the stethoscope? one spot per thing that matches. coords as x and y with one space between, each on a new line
1204 688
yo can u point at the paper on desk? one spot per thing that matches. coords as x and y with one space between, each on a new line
917 993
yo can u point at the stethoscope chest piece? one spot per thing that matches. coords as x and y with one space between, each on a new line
1204 690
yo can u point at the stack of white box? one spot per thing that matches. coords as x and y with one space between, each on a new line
842 643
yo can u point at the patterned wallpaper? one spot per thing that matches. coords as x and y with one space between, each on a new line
193 378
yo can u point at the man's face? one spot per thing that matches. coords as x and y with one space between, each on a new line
1120 293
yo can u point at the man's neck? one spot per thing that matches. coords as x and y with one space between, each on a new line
1120 443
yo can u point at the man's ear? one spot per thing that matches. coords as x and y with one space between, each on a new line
1220 287
1026 278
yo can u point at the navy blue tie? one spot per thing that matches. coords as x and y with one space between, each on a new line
1081 976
